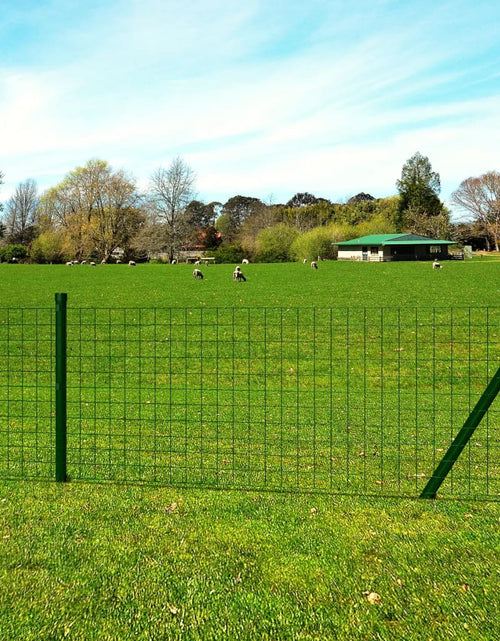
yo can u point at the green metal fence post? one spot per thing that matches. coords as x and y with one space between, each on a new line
61 428
462 438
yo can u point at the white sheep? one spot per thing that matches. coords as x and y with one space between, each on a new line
197 274
197 262
131 263
245 261
314 265
436 264
92 264
238 275
304 261
173 262
84 262
69 263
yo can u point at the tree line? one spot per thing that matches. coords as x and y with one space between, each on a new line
96 210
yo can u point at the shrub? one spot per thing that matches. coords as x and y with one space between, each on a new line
273 243
48 248
11 253
228 254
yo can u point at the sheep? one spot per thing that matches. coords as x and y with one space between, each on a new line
173 262
304 261
92 264
197 274
238 274
197 262
131 263
436 264
69 263
314 265
245 261
84 262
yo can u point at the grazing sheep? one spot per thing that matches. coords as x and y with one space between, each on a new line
304 261
84 262
92 264
69 263
238 275
314 265
197 262
436 264
131 263
245 261
173 262
197 274
118 261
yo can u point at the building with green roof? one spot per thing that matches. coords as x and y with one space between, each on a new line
388 247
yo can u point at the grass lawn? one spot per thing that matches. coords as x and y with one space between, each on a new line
335 284
123 561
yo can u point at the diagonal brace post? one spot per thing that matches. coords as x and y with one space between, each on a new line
462 438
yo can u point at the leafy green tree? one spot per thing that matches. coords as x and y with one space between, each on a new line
49 247
228 254
308 216
302 199
318 242
360 198
13 253
273 244
418 188
98 209
234 213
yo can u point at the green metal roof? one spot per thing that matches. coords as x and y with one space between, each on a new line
393 239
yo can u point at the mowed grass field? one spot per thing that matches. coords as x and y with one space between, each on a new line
334 284
97 561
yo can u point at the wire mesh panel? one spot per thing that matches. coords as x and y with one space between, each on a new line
345 400
26 393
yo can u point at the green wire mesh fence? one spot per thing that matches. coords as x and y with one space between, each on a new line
361 400
27 392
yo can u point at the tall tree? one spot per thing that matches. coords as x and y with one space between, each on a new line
97 209
20 213
302 199
171 191
480 197
419 188
234 213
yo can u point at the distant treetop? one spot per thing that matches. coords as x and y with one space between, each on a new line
360 198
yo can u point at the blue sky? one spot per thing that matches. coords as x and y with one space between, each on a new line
262 98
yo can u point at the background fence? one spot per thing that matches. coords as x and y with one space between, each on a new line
360 400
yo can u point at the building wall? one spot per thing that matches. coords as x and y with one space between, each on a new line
393 252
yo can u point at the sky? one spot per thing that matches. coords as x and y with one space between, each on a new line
262 98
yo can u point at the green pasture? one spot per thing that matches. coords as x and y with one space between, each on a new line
129 561
334 284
